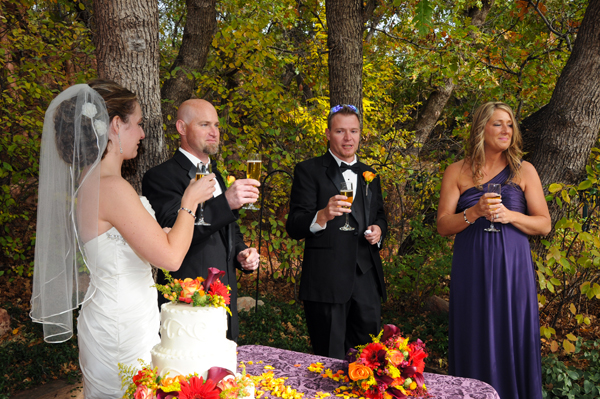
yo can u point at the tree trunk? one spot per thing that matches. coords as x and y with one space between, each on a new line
431 112
437 100
198 34
127 52
560 135
344 40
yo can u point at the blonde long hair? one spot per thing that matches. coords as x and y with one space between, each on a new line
475 154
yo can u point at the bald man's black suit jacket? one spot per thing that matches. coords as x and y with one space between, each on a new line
216 245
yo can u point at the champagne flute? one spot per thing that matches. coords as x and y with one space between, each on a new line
493 188
201 171
346 189
253 167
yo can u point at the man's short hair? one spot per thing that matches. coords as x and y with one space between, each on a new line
343 109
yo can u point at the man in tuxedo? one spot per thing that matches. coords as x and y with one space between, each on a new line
342 278
221 244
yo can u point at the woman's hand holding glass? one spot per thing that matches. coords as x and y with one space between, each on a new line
198 191
489 206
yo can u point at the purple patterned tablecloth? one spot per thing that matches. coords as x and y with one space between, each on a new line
303 380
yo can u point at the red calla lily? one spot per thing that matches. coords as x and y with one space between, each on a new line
217 374
389 330
213 273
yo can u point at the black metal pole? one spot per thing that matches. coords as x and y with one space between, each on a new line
260 215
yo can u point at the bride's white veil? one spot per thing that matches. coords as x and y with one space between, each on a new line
74 138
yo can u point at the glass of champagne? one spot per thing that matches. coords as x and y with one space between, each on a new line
496 189
346 189
201 171
253 167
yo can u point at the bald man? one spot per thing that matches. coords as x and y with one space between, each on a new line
221 244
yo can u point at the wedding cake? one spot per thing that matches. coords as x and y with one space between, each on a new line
193 339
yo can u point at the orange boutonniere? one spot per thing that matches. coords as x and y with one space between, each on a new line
369 177
229 181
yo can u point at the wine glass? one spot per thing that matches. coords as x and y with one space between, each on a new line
253 166
201 171
346 189
493 188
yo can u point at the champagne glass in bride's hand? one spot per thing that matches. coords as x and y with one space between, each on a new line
201 171
346 189
495 189
253 166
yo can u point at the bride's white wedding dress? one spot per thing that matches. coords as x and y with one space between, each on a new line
120 322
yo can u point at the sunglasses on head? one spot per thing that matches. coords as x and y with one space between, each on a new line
338 108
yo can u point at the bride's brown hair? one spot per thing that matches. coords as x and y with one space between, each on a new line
119 100
475 154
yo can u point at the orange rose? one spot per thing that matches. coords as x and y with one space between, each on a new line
369 176
189 286
357 371
395 357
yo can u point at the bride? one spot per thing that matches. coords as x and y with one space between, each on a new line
96 238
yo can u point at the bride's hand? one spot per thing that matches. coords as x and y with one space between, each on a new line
200 190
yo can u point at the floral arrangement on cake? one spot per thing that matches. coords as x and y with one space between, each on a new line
147 384
389 367
197 292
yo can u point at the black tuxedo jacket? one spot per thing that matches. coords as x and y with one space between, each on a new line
216 245
331 256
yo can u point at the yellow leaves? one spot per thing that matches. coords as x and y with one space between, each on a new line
547 331
573 309
568 346
590 290
555 187
554 346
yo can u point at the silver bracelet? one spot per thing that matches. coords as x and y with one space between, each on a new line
188 211
465 216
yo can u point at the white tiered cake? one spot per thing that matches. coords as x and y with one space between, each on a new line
193 339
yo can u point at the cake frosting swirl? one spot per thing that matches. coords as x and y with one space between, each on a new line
193 339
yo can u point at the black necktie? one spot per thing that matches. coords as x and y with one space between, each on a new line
344 167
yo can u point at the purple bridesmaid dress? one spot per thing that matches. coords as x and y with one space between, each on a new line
494 323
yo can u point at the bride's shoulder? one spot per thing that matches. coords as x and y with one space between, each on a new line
110 185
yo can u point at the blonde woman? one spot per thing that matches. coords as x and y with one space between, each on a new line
494 323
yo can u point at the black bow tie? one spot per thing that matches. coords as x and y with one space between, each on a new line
344 167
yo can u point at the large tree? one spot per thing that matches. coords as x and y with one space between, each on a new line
560 135
127 52
436 102
345 23
197 37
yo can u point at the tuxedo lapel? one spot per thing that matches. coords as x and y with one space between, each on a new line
364 188
333 171
226 232
185 164
358 206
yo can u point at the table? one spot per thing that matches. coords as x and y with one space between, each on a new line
303 380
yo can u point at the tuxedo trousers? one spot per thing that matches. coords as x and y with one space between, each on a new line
336 327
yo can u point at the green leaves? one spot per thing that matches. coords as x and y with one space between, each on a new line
423 15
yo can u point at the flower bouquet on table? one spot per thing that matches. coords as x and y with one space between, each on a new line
389 367
220 384
197 292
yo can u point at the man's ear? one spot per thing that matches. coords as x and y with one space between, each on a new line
180 126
